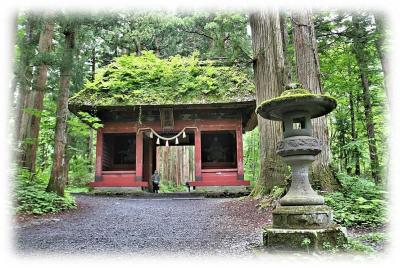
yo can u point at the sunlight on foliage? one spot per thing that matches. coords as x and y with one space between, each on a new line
147 79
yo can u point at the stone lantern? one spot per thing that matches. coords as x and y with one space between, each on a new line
301 214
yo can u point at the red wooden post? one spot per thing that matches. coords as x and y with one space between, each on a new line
139 156
239 152
197 155
99 155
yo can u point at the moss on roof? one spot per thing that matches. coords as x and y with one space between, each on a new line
149 80
297 99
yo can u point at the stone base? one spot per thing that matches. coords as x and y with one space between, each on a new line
304 239
240 188
302 217
116 190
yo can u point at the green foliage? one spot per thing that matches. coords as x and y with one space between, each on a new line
273 197
214 34
354 245
79 173
251 155
77 189
295 91
367 243
147 79
277 192
93 121
31 198
341 79
360 202
374 238
306 243
327 246
167 186
46 135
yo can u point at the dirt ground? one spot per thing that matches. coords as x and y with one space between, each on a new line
144 225
130 225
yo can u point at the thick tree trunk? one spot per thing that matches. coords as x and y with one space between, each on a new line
380 39
93 65
38 92
158 46
358 48
356 153
91 132
58 175
308 74
269 75
25 74
285 46
138 46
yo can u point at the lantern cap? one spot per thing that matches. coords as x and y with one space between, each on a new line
296 100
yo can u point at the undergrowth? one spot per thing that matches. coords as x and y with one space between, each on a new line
171 187
359 203
30 196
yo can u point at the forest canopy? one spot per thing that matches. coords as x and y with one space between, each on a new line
147 79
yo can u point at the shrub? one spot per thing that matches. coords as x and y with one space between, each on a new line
79 173
30 196
360 202
170 187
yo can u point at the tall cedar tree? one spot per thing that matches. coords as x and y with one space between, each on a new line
359 36
91 134
58 177
379 43
285 46
25 75
308 74
38 91
354 135
268 65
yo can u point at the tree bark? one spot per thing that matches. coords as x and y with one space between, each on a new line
158 46
308 74
380 39
25 75
285 45
58 177
268 65
358 48
138 46
38 92
91 132
356 153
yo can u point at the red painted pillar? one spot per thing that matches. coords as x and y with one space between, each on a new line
197 155
99 155
239 152
139 156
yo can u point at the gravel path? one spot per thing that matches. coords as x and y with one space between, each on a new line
156 226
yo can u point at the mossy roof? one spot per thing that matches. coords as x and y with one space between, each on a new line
149 80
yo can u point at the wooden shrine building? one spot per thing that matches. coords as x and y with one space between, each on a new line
143 102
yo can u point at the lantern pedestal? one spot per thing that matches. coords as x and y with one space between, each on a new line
301 220
304 239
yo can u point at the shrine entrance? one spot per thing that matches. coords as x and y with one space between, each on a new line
175 162
126 150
